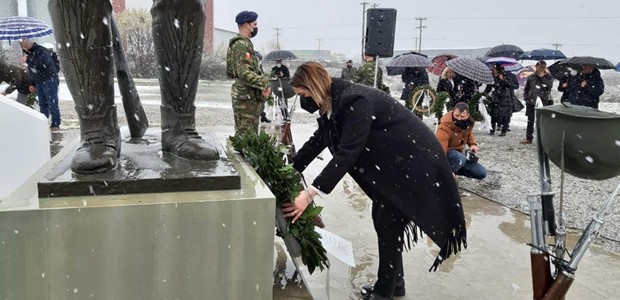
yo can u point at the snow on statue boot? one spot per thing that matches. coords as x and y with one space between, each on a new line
178 37
179 136
101 144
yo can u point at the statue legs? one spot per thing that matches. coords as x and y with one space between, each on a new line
178 35
85 50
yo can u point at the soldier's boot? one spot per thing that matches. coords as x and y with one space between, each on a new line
178 49
101 144
84 47
179 136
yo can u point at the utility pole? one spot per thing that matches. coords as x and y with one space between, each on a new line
374 5
277 37
363 25
319 55
420 28
556 45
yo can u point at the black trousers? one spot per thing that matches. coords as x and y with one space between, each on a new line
531 118
390 225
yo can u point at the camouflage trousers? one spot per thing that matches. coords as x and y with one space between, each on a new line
247 114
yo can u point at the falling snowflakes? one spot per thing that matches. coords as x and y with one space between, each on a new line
176 23
589 159
82 35
553 116
167 69
617 143
16 231
105 21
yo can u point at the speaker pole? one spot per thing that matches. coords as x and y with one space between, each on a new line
376 69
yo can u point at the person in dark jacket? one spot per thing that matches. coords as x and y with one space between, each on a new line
537 85
502 93
446 84
588 88
465 88
280 70
17 79
568 85
392 155
43 74
413 77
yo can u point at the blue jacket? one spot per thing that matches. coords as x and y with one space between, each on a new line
41 66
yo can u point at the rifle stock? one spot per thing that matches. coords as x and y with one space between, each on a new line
560 286
541 274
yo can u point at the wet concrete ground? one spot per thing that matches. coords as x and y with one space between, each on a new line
496 264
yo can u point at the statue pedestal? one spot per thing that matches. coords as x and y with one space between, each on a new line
142 168
215 244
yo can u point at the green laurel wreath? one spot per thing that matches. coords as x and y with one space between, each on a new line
473 105
439 104
261 152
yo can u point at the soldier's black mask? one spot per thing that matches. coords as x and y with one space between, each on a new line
254 32
308 104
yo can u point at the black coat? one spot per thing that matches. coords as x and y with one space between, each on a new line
281 72
538 87
465 88
41 66
414 77
16 77
502 95
570 88
444 85
589 95
392 155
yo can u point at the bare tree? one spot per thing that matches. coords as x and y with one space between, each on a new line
137 40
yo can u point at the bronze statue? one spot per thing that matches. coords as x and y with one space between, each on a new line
85 32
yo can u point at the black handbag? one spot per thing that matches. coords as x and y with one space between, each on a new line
517 106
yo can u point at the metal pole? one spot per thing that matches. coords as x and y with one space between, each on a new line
376 69
363 26
420 27
319 54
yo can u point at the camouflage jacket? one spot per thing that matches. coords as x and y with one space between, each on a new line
242 65
366 75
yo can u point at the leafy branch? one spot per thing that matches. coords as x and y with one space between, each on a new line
261 152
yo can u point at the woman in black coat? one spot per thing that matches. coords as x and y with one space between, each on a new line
446 84
393 156
502 97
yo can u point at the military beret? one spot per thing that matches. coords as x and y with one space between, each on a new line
246 17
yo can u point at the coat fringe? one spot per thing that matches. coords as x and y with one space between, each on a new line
457 237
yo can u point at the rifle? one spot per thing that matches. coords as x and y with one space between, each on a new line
136 117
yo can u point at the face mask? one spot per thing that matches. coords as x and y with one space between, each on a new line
463 124
308 104
254 32
279 65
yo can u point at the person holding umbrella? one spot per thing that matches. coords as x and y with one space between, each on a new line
538 85
396 160
280 70
589 87
413 77
502 93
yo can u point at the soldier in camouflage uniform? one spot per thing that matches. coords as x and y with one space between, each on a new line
366 74
251 88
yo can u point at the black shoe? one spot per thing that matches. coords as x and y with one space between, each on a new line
399 291
264 120
375 296
492 132
502 134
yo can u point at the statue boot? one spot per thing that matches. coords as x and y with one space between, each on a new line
178 38
179 136
101 144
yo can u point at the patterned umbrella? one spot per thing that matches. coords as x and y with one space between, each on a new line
439 62
542 54
408 60
505 50
280 55
524 73
15 28
472 69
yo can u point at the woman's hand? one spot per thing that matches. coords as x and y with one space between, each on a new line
302 201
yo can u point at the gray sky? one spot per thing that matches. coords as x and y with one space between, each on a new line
582 27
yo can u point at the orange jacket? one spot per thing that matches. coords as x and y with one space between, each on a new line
452 137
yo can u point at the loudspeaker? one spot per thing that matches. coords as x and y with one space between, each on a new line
380 27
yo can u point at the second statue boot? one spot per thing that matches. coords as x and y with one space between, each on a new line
100 146
179 136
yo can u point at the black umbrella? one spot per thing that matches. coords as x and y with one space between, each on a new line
560 69
597 62
505 50
280 55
